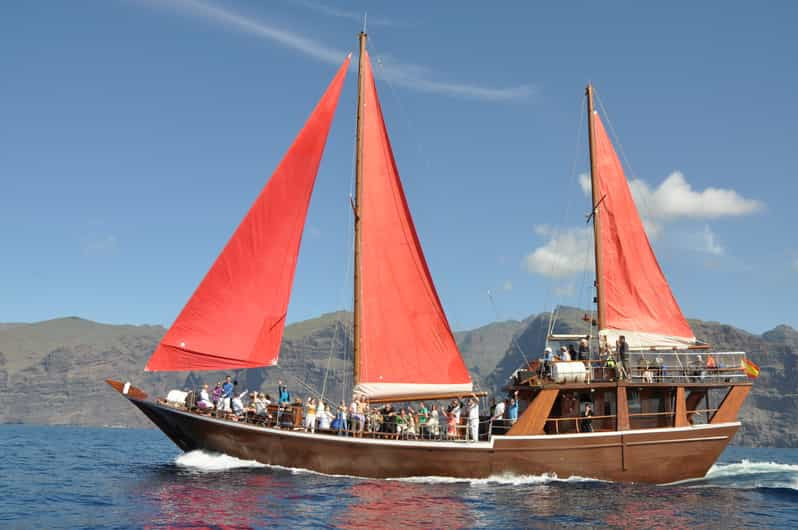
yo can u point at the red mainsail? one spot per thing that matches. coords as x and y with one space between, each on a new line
406 345
636 299
236 316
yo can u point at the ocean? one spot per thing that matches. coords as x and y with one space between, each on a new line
73 477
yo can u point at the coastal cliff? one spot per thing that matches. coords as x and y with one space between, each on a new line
53 372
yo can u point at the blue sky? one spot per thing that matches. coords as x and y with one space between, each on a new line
135 135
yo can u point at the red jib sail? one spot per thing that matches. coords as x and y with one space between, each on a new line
636 301
406 345
236 316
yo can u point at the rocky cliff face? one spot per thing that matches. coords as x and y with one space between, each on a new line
54 371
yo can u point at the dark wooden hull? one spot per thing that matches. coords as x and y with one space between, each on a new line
652 455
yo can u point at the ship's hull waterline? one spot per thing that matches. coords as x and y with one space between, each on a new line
651 455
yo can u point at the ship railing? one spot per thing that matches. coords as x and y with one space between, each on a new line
685 367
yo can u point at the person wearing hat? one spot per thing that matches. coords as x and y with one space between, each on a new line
564 355
548 357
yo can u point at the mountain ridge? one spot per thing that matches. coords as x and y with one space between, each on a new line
53 371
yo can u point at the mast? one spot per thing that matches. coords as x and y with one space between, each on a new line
596 200
357 206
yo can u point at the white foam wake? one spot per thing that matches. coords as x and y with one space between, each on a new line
508 478
213 462
746 467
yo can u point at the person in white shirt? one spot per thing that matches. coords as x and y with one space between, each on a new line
498 414
238 405
473 419
204 402
564 355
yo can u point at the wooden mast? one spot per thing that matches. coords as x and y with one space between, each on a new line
357 206
595 206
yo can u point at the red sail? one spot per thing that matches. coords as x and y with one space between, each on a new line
236 316
406 345
636 298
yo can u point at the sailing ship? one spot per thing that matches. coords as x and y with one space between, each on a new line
647 425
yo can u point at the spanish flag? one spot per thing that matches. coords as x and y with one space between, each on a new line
751 369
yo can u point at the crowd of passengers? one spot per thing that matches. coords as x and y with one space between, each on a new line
614 363
459 419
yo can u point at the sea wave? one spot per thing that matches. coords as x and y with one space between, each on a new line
213 462
748 475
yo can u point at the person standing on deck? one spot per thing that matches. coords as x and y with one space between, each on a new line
473 420
512 410
498 415
623 355
283 400
227 395
587 419
584 350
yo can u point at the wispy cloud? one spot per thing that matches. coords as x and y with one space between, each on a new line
348 15
710 243
412 76
566 253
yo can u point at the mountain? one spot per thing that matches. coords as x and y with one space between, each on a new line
54 371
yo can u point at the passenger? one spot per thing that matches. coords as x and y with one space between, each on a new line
423 414
354 415
648 374
217 394
310 415
457 410
432 425
375 421
587 419
623 354
227 395
320 411
324 416
401 423
584 350
497 419
572 353
548 358
512 409
564 355
363 414
204 402
283 397
451 422
238 403
473 420
341 419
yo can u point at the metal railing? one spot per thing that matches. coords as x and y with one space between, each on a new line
654 367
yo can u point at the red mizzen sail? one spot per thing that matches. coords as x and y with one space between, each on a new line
406 345
236 316
636 299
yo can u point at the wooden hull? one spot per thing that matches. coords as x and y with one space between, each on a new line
652 455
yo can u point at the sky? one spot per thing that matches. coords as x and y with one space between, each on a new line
136 134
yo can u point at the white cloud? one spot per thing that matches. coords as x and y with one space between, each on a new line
710 243
507 286
564 254
584 183
675 198
409 75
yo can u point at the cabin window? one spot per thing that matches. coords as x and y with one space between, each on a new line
649 409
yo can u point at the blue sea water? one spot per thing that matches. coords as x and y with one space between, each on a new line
70 477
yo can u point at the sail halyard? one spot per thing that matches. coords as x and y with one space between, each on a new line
236 316
633 296
404 343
